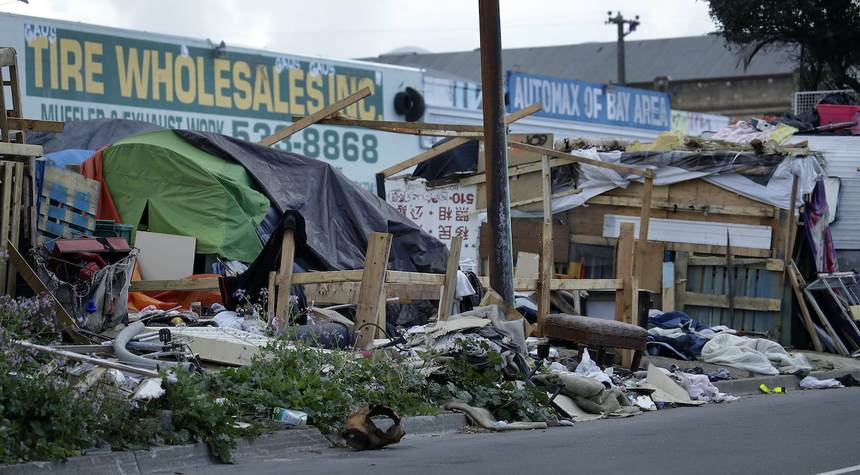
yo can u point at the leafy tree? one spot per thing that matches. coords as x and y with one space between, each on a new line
825 35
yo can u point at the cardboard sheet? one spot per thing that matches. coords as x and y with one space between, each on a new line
666 390
165 256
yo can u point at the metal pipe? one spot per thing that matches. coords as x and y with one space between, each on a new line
122 353
495 151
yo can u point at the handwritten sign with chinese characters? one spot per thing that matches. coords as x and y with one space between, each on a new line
444 212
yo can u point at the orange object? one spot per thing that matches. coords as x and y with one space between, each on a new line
168 299
92 169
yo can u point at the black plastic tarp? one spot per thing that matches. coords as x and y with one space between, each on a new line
337 214
89 134
459 160
758 168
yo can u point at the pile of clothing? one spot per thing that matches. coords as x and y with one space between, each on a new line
676 335
474 335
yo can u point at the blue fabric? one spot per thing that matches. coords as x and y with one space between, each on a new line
669 320
687 344
69 157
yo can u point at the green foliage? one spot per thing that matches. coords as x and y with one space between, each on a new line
489 389
824 32
327 385
43 417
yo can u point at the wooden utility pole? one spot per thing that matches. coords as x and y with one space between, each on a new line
495 147
620 21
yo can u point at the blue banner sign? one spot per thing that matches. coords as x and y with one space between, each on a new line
581 101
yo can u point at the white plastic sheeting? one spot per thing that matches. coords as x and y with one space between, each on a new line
596 181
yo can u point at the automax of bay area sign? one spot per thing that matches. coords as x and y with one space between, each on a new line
589 102
73 71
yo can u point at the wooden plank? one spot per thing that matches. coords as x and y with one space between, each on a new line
327 277
759 304
272 295
584 160
775 265
15 233
633 202
531 201
413 128
285 279
804 310
546 257
648 265
39 287
20 149
310 120
355 275
668 290
681 262
53 126
624 271
5 218
401 277
450 285
181 285
675 246
454 143
514 171
347 292
837 341
525 285
4 124
525 237
424 156
372 293
645 214
792 221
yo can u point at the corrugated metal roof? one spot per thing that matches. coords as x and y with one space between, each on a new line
841 153
682 59
846 229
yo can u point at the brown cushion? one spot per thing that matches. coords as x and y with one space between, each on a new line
595 331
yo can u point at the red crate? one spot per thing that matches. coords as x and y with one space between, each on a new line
833 114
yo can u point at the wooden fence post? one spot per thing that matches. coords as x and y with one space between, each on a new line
285 279
371 295
450 285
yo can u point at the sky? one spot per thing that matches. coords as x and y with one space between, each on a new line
364 28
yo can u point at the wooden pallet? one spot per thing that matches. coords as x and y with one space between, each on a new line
68 206
11 197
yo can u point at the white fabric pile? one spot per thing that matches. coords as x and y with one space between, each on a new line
753 354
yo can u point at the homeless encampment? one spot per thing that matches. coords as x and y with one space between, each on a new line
223 191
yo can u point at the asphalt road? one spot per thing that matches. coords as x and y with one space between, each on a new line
802 432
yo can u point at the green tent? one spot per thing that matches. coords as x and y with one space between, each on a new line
184 190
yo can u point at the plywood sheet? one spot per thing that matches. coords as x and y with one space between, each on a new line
165 256
694 232
525 236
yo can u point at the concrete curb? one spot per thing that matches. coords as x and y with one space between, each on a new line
175 458
749 386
